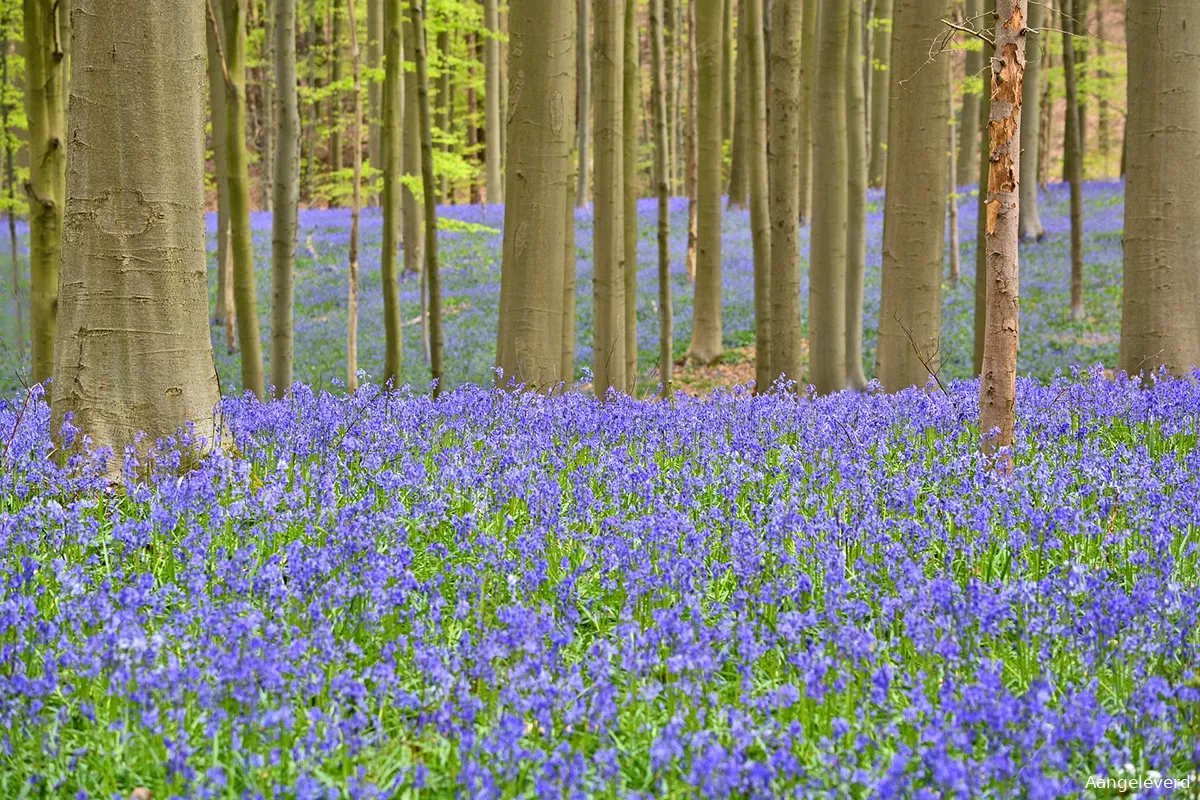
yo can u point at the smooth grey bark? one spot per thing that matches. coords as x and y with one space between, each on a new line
784 175
393 38
10 180
425 126
491 102
856 210
739 144
355 202
631 121
827 245
45 114
412 211
706 346
133 353
662 186
755 56
583 77
608 286
880 86
225 314
245 295
1031 124
1160 324
968 130
808 74
374 86
914 224
1073 162
286 191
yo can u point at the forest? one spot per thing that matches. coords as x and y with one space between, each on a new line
599 398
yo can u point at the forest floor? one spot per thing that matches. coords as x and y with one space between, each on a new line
470 245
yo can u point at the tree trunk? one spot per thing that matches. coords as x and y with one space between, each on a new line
413 213
310 170
998 384
739 145
374 85
952 191
706 345
783 175
914 225
808 75
245 296
45 113
10 180
491 98
225 314
880 87
287 198
856 210
532 348
133 353
754 55
968 131
566 370
425 126
669 20
827 254
729 75
662 185
1161 308
631 123
269 123
393 38
1082 38
1103 120
692 176
1031 125
1073 161
984 147
583 183
609 282
445 111
355 199
335 96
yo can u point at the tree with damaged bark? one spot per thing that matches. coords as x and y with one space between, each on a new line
706 346
998 381
46 116
914 222
827 247
287 195
784 176
1160 325
608 283
133 354
539 145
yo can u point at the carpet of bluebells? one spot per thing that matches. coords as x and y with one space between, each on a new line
500 595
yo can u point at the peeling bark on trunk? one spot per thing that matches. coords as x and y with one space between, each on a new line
45 112
1161 309
287 196
393 38
998 382
1031 125
662 185
914 223
784 175
608 286
827 245
706 346
984 147
531 347
133 352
